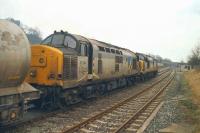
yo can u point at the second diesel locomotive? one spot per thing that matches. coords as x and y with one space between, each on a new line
68 67
148 66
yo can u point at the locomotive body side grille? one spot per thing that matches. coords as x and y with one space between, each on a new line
70 67
74 67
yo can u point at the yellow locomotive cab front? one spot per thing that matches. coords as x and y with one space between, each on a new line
46 66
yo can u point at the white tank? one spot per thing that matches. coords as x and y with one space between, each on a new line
14 54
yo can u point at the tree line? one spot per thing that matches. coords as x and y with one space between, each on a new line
194 57
33 34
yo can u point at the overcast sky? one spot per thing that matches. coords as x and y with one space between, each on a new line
170 28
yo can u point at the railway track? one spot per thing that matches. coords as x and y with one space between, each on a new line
53 114
163 70
126 116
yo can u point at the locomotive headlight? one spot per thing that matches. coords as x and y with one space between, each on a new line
33 73
13 115
59 77
52 76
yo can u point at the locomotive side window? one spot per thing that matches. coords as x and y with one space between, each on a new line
83 50
113 51
117 51
70 42
101 48
118 59
107 50
58 40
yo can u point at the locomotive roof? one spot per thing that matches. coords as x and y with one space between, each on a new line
95 42
148 56
81 38
100 43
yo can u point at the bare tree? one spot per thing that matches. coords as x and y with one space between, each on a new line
33 34
194 58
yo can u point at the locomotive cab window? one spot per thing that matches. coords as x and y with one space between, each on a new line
58 40
70 42
47 40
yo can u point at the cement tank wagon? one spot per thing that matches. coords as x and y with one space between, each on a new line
15 56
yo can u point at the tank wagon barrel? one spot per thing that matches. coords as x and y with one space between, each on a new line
15 56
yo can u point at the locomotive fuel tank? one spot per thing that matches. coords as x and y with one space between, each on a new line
14 65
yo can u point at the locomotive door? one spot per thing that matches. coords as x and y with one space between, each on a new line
90 58
83 62
100 64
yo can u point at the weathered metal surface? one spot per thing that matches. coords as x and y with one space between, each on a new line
14 55
23 88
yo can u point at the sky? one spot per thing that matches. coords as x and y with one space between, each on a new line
169 28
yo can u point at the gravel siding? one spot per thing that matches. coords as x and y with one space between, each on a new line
169 112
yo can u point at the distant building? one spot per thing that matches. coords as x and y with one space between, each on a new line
183 67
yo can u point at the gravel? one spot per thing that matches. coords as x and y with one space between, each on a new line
169 112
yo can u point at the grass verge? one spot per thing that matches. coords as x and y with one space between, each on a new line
190 106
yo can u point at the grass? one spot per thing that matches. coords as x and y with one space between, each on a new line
190 106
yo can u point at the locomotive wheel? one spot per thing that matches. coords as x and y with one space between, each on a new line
70 97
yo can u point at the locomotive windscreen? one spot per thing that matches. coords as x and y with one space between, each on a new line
61 40
58 40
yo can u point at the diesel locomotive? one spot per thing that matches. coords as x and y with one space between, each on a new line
68 67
